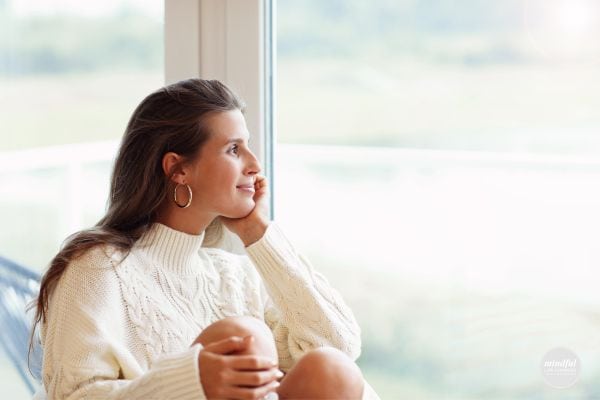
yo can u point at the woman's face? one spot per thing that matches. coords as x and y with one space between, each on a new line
222 176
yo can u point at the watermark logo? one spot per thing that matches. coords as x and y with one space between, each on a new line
560 368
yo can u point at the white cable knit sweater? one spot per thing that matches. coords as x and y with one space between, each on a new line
123 331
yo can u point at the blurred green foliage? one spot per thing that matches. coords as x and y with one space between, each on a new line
402 28
62 43
354 29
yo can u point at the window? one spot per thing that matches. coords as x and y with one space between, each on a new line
439 162
71 73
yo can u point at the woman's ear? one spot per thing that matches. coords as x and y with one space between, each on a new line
173 167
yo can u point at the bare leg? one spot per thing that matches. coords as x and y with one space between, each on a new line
323 373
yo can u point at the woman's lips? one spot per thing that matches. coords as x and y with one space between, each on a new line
246 188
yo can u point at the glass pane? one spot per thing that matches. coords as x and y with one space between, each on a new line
448 156
71 73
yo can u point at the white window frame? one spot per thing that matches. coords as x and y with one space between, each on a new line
232 41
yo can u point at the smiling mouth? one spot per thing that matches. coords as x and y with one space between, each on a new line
246 188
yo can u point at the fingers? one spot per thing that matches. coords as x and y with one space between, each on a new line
229 345
224 374
254 379
260 190
260 183
250 363
252 393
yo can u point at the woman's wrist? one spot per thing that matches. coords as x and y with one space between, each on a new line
254 232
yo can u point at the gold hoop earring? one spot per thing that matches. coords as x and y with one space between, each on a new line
186 205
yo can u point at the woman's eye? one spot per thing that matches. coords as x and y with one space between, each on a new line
234 149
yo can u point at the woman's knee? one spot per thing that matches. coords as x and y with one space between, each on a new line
332 373
241 326
332 361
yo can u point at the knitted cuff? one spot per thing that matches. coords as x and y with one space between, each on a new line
180 373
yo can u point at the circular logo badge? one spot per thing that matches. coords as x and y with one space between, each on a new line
560 368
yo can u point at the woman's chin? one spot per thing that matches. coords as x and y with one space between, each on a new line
241 211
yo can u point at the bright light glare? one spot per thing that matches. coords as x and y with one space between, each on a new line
565 29
575 17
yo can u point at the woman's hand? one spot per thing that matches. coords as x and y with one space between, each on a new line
228 376
253 226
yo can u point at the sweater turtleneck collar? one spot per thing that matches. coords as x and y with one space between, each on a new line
171 249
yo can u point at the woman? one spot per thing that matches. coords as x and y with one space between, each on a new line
142 307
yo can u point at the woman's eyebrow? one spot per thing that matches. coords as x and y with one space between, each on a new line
237 140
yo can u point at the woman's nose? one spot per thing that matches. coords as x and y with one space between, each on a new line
253 165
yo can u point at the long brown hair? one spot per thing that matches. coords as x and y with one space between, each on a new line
169 120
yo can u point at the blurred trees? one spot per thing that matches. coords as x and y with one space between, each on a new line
64 43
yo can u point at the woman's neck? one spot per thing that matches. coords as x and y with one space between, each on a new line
185 219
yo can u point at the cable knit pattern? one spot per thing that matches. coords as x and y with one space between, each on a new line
122 328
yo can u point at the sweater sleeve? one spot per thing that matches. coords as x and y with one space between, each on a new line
85 339
301 308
